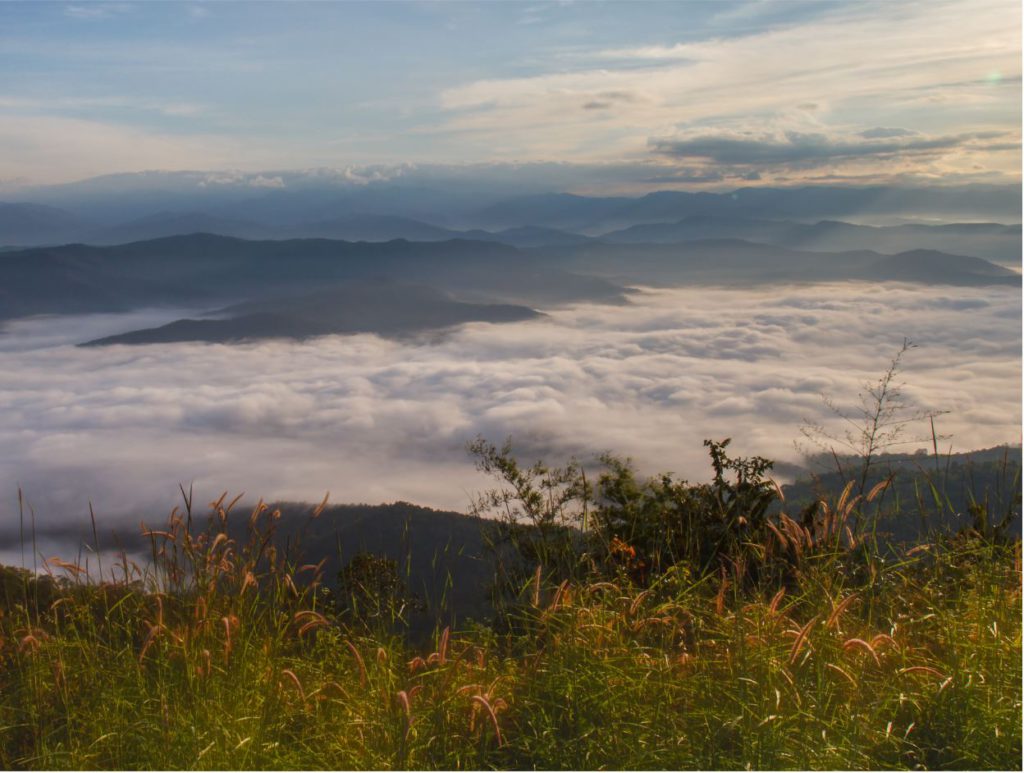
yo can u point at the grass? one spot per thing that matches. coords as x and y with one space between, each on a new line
224 654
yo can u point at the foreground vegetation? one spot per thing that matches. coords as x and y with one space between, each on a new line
635 624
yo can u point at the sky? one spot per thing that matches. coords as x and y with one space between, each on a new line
674 94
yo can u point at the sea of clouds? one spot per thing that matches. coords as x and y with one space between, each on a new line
374 420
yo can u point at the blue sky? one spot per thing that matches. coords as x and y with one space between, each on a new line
690 94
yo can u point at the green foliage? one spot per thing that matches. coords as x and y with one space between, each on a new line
647 643
641 527
370 591
701 526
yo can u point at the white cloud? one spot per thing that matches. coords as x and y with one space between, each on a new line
923 66
96 10
373 420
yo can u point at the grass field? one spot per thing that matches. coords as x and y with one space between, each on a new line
223 653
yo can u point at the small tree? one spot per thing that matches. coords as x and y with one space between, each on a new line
876 426
371 590
540 515
553 518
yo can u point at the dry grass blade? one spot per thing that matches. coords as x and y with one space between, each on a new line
850 644
416 664
801 637
841 504
359 660
923 670
720 598
783 541
482 701
403 700
842 672
154 631
318 510
156 533
295 681
878 489
838 610
883 638
442 647
561 596
797 535
222 537
638 601
778 490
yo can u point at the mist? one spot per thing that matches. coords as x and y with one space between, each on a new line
374 420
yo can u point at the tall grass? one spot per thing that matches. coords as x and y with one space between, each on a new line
221 654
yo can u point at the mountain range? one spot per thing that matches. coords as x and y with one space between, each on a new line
119 209
304 287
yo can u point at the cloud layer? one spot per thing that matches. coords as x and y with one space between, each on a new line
373 420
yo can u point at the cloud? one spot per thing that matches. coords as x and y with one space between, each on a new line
841 74
800 149
882 132
374 420
262 181
96 10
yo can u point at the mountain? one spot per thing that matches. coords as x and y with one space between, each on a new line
203 269
551 210
211 271
717 261
27 224
430 547
593 215
383 308
371 228
992 241
353 228
529 236
163 224
466 198
274 197
941 268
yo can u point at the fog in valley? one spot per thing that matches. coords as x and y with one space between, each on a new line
240 256
377 420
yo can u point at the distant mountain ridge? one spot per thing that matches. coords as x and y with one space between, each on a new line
34 225
276 282
992 241
592 215
384 308
725 261
205 269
